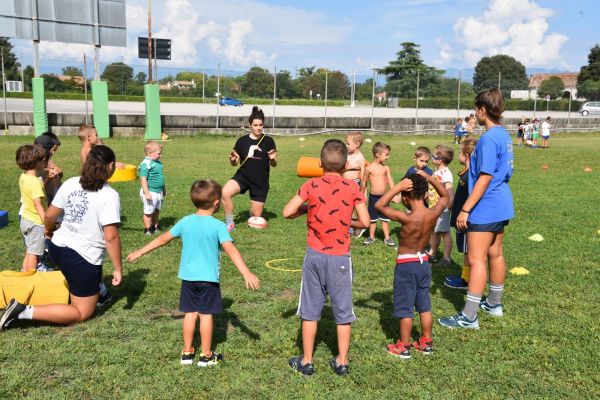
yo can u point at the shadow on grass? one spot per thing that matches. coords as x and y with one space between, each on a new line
166 222
226 322
454 296
326 332
244 215
131 287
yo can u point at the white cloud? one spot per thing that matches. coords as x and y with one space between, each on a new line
518 28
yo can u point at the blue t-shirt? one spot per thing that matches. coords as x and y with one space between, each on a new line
202 237
493 155
413 170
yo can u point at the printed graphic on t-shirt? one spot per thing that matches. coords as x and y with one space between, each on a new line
76 207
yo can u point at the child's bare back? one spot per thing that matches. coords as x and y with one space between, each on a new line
416 230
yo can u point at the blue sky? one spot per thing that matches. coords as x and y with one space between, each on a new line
354 35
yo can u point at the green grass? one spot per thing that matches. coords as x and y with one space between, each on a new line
546 345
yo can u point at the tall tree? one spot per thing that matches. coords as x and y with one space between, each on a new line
118 75
588 80
258 82
402 73
285 85
72 71
11 66
553 87
511 72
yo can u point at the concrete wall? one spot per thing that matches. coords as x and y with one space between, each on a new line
134 125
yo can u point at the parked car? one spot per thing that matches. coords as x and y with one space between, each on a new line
228 101
591 107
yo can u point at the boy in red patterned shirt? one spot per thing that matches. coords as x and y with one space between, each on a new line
327 268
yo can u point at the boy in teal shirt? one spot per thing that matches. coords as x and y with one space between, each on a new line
202 236
153 187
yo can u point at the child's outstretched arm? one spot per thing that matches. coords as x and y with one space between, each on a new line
155 244
383 204
294 208
251 280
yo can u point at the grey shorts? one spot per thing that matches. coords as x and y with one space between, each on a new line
324 274
443 223
33 236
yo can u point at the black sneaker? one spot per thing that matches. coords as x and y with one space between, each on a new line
104 300
187 357
305 369
210 361
13 309
157 229
148 231
340 369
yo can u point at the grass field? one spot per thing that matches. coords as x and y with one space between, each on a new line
546 345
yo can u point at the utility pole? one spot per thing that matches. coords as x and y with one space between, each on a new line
274 93
4 91
149 41
417 109
458 105
85 91
499 79
373 98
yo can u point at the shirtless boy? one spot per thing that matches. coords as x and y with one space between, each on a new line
379 177
412 275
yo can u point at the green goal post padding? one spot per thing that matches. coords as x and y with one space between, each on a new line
152 99
100 105
40 116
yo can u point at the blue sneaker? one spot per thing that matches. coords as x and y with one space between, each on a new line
456 282
305 369
459 320
493 310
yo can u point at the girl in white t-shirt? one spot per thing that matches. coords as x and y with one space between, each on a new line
546 132
90 226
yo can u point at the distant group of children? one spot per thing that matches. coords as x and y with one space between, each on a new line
528 132
336 208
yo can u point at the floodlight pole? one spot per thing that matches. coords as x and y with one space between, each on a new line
274 93
326 73
203 85
149 41
4 91
36 58
373 98
218 90
85 91
569 116
458 105
417 108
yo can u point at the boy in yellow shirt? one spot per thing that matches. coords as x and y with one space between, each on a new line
32 159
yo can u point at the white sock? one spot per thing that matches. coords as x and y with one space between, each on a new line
27 313
103 290
229 218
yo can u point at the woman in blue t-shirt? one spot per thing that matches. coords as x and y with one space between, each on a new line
486 212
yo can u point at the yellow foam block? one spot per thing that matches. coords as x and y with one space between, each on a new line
519 271
129 173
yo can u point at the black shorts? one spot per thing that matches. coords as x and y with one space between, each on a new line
257 192
495 227
201 297
411 288
82 277
374 215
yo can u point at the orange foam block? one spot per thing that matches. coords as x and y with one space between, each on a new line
309 167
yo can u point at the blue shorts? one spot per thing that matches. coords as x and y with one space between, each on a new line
461 241
82 277
201 297
374 215
411 288
495 227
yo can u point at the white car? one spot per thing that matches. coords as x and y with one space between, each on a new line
592 107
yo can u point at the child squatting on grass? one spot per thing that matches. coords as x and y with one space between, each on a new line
412 274
202 236
327 267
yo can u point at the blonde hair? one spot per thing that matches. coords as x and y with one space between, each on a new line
356 137
467 148
444 153
151 146
85 130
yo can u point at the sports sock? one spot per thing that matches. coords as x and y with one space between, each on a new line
472 305
103 290
495 293
27 313
466 273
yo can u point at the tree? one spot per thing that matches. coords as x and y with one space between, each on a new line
258 82
72 71
117 75
28 74
402 73
553 87
11 66
285 85
511 72
141 77
588 80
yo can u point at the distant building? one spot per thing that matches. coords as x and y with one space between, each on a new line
181 85
78 80
569 79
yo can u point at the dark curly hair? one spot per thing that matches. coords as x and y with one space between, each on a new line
257 113
419 187
96 171
29 155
